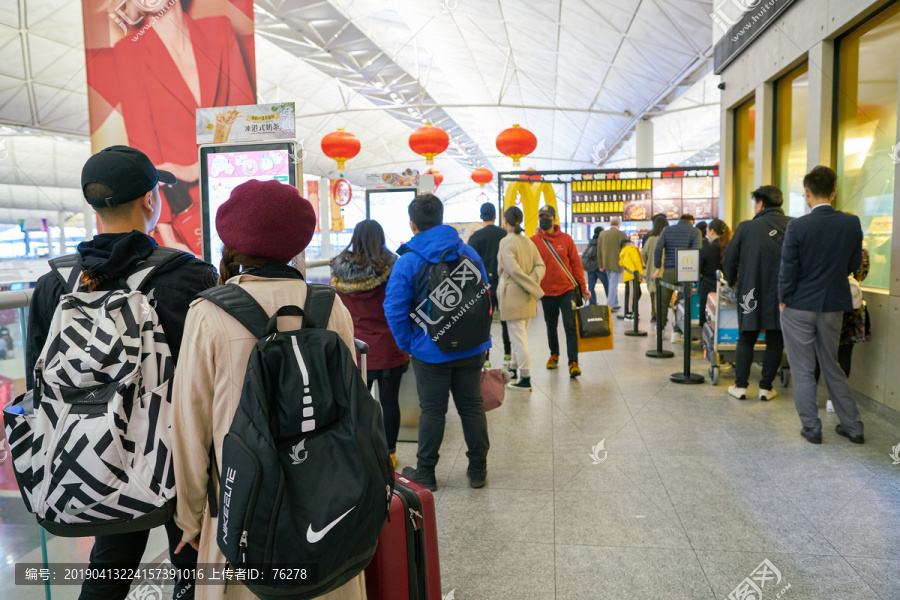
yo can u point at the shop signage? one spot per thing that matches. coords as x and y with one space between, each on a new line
248 123
688 266
760 14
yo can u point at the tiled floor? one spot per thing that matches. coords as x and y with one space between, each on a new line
695 492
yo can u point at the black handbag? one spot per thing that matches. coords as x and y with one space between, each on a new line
594 320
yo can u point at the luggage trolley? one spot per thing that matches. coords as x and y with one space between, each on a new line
720 333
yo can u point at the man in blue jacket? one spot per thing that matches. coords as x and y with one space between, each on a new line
437 373
820 250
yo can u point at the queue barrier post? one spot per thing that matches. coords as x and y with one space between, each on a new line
686 377
636 286
659 352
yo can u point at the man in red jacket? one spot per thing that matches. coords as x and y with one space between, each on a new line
564 273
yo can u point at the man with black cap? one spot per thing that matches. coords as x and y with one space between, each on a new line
122 186
486 242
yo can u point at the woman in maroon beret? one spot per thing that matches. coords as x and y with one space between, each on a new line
263 225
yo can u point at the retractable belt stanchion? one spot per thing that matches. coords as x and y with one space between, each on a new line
686 376
634 311
659 352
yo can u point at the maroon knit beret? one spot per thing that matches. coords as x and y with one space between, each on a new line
266 218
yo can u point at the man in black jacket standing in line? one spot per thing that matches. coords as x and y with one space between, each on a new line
751 263
486 242
820 250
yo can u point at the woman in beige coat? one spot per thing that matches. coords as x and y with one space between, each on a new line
521 270
216 348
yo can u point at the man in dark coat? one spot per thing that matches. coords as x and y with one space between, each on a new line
820 250
486 242
751 263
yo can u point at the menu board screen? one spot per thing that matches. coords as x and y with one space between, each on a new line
640 199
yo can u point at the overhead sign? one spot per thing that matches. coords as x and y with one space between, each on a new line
760 14
688 266
408 178
252 122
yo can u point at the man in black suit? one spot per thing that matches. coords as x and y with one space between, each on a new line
820 250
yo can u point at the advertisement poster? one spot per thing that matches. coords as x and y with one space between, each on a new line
312 194
256 122
139 96
697 187
706 208
338 192
666 189
408 178
670 208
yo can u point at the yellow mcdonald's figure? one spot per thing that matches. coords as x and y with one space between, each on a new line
531 193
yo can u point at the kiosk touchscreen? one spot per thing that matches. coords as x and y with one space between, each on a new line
223 168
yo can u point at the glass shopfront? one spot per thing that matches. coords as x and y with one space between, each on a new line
866 142
791 108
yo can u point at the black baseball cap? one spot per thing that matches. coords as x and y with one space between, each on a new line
126 171
488 211
547 210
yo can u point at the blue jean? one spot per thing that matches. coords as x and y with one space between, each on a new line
593 276
612 296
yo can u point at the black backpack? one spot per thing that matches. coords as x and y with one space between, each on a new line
457 311
306 478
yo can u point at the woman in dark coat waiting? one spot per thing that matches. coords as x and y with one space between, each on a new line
711 256
360 274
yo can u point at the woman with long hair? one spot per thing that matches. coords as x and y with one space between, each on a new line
711 257
521 270
360 274
647 253
263 225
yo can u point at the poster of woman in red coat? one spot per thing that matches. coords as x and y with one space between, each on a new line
150 65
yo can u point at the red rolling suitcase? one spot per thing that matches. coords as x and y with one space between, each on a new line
406 563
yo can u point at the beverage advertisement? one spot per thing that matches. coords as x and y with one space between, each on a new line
256 122
144 90
227 170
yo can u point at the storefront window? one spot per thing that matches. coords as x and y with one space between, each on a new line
869 69
791 107
744 156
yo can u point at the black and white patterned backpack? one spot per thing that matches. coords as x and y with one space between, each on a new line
91 442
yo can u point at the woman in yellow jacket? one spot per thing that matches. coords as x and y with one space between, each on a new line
630 258
262 226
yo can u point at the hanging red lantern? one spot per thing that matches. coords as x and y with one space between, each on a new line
438 178
429 141
515 143
531 177
482 176
341 146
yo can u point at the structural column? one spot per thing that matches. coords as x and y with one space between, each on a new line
61 220
325 216
643 143
821 105
88 222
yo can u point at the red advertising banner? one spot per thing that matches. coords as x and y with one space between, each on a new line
150 65
312 194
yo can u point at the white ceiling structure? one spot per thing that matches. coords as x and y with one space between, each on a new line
577 73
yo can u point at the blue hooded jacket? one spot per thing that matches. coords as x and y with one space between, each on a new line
408 286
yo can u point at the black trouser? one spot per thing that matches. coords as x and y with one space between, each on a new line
434 383
771 358
495 303
124 550
705 288
845 357
565 304
631 285
389 396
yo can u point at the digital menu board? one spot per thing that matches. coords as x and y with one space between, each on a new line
640 199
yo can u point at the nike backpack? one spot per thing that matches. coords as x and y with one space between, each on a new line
306 480
457 312
91 442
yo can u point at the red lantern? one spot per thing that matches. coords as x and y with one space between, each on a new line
429 141
438 178
340 146
531 177
482 176
515 143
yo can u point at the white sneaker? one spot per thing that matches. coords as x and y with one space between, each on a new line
829 406
766 395
736 392
675 337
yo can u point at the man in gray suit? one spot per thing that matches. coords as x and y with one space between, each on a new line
820 250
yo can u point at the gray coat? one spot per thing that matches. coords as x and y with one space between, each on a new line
521 271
